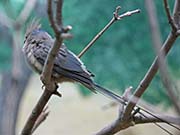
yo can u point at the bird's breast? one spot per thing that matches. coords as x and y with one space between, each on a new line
33 62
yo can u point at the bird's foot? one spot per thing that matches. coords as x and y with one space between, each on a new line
43 87
56 92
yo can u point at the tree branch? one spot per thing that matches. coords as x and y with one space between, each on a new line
26 11
170 19
19 74
154 67
47 70
5 20
140 118
167 82
21 19
115 18
50 86
51 17
41 118
118 124
59 13
162 118
149 75
161 61
176 14
27 130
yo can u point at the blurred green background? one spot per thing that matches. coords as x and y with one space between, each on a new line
120 58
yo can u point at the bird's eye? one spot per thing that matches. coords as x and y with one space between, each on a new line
26 36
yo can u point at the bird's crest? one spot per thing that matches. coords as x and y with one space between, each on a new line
34 25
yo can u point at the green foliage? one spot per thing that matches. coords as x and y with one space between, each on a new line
122 56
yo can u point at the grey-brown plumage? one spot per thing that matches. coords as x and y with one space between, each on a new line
67 66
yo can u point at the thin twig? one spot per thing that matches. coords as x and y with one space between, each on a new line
154 67
168 14
26 11
5 20
59 13
158 125
167 82
150 119
170 87
27 130
50 86
120 124
50 16
115 18
125 121
176 14
42 117
47 70
22 17
149 75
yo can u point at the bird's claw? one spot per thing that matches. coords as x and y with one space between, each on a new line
43 87
57 93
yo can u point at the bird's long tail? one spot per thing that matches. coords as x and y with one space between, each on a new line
108 93
87 82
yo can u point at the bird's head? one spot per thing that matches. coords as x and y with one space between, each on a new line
35 34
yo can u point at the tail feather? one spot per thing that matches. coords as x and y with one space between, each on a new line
109 94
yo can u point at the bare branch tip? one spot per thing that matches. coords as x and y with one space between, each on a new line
129 13
127 93
66 36
67 28
138 10
118 8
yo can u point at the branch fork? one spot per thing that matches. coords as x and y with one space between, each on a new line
128 13
46 78
116 17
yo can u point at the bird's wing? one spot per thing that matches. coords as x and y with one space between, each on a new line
70 62
65 63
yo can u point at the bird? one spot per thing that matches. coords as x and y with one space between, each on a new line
67 66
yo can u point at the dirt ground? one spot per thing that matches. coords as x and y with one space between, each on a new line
73 114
